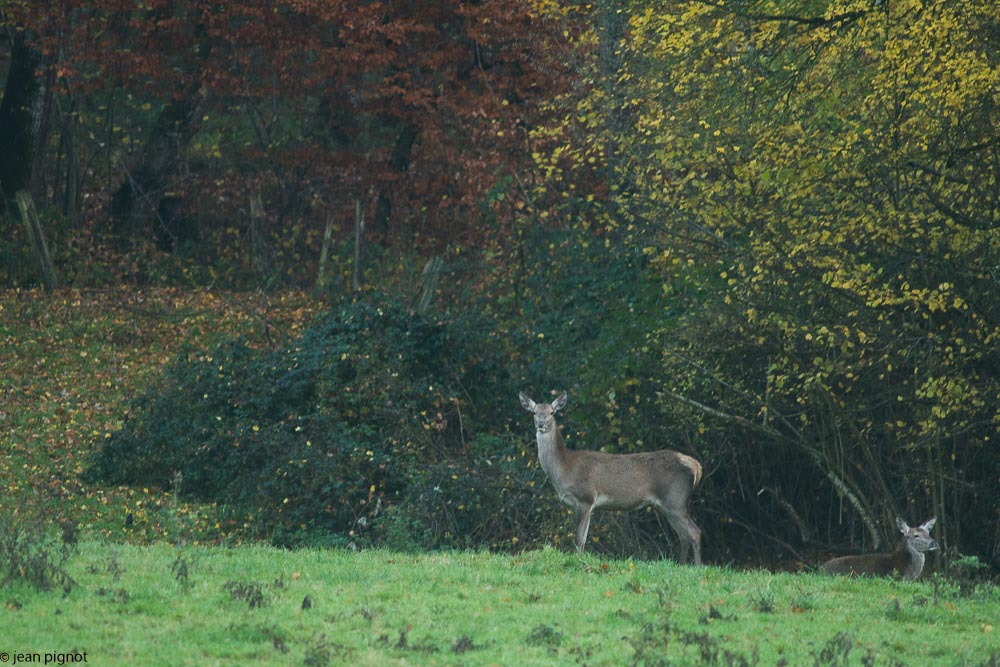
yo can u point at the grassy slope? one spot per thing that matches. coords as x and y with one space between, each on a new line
69 362
539 608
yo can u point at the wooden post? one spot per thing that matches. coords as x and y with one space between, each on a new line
324 255
359 244
257 245
432 273
38 245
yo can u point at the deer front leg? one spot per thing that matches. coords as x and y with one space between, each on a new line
582 525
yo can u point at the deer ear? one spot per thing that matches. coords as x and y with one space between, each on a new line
526 402
927 525
560 402
901 525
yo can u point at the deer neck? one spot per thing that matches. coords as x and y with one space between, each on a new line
552 451
910 561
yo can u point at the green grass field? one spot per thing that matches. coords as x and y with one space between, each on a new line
165 605
69 363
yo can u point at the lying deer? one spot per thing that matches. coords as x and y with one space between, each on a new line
906 561
587 480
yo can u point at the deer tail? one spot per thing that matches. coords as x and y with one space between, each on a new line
694 467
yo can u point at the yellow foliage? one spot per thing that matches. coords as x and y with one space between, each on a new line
842 169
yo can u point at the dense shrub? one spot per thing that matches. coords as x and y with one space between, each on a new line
321 440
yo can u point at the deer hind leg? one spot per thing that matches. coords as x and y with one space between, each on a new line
582 525
687 532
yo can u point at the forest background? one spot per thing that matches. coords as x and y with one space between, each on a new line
763 233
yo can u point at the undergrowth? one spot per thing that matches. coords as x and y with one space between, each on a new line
34 554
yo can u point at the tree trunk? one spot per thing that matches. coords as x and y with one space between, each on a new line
399 162
135 202
258 242
70 201
41 121
611 36
20 117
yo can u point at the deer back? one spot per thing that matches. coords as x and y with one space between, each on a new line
629 480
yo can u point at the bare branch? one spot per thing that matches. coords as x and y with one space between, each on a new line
742 421
839 484
810 21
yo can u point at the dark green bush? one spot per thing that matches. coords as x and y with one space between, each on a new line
495 496
371 407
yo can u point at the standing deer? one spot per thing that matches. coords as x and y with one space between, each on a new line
906 561
588 480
